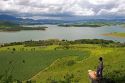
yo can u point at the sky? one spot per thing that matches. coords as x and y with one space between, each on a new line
61 9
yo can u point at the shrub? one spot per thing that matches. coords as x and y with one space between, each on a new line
70 62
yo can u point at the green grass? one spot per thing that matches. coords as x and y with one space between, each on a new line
47 65
114 62
26 63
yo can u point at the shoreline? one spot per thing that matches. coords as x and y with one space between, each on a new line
116 35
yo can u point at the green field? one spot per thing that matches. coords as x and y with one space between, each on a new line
25 62
49 65
116 34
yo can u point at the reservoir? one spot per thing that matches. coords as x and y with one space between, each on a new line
58 32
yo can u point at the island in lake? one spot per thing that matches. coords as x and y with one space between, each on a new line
10 26
91 24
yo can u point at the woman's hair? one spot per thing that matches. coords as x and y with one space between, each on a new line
100 58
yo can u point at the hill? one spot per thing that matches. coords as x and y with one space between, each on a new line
8 17
62 22
74 70
60 62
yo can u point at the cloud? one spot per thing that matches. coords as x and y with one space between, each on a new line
62 8
119 9
102 2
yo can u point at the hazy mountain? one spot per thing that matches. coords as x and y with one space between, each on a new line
8 17
4 17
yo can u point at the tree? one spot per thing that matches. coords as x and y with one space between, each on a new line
14 49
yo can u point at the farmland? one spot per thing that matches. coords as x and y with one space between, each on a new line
25 63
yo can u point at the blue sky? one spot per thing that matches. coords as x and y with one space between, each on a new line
61 9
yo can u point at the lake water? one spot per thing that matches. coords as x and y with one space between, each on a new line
56 32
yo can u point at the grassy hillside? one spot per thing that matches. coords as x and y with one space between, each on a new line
55 64
7 24
76 72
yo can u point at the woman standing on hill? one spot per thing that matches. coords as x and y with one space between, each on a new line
96 76
100 70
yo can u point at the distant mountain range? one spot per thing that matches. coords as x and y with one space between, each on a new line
28 21
9 17
4 17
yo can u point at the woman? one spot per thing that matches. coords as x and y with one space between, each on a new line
100 70
96 77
